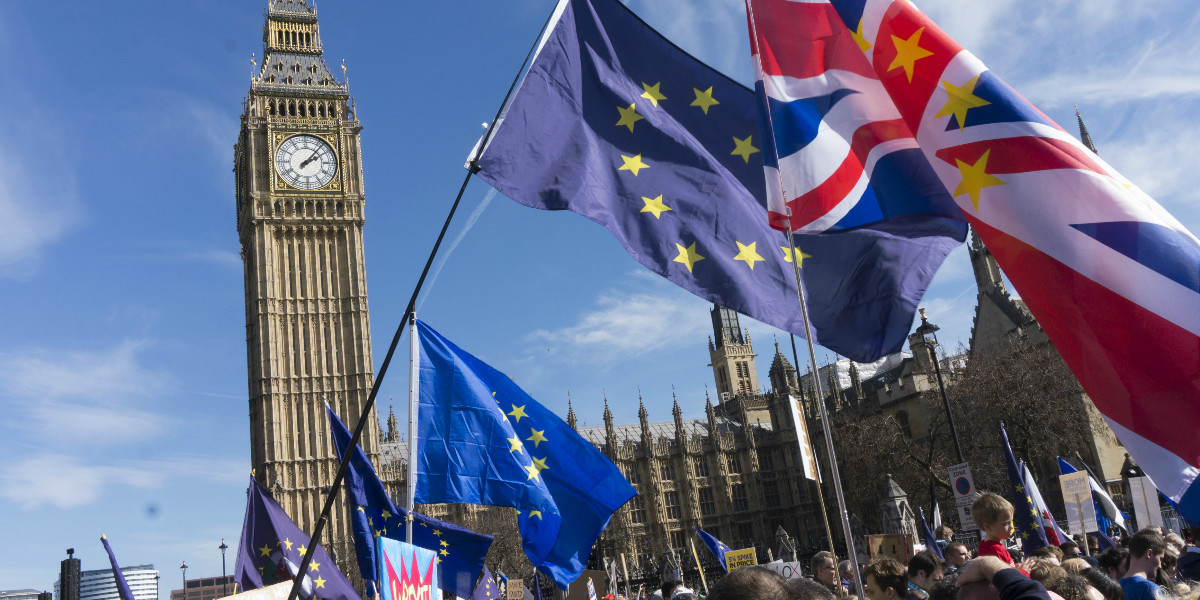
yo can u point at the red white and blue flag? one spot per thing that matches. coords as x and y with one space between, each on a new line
839 155
1113 279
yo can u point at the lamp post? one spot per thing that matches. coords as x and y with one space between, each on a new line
224 581
183 571
928 333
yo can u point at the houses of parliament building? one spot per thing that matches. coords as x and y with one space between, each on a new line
300 213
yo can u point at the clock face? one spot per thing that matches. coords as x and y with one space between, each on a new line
305 162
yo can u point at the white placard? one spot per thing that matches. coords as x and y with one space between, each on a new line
1077 495
1145 502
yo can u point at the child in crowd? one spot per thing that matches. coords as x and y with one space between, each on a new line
994 515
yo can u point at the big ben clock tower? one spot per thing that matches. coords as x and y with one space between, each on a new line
300 222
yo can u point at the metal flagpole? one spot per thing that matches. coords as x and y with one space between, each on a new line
811 448
834 473
812 353
414 360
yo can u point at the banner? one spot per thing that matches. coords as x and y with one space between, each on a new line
406 572
740 558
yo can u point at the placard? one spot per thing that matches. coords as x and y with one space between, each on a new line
1077 495
516 590
740 558
898 546
1145 502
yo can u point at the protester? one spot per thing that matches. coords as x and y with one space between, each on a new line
945 535
1113 562
886 580
956 554
924 570
1070 549
1051 554
994 515
846 572
1071 587
1107 587
1189 562
1045 572
1011 584
825 572
1075 566
1146 548
761 583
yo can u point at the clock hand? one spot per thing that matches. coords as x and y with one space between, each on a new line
309 159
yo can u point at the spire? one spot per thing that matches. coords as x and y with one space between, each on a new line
1083 132
571 421
782 374
609 433
392 433
642 416
856 381
292 56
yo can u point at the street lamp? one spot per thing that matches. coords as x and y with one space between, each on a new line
224 582
183 571
928 333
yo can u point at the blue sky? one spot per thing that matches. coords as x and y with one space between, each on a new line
122 354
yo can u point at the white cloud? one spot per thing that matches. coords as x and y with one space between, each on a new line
622 326
37 207
64 481
85 397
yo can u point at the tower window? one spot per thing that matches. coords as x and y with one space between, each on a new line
341 210
905 427
320 210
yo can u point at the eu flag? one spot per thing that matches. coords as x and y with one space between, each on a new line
617 124
1029 527
483 440
272 548
460 551
717 547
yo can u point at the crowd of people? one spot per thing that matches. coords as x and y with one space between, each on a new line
1147 565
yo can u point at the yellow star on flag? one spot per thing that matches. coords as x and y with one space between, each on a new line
313 565
320 582
629 116
444 552
444 543
652 94
655 206
862 42
633 163
960 99
437 532
908 52
800 255
535 513
387 515
378 532
540 463
515 442
532 470
288 543
704 99
266 550
974 178
687 256
517 413
537 438
748 254
302 550
744 148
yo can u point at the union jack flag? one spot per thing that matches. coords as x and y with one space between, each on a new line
1113 278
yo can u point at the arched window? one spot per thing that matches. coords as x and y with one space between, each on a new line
905 427
341 210
320 210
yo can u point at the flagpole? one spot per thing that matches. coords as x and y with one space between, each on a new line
699 567
812 353
414 382
820 492
412 302
835 474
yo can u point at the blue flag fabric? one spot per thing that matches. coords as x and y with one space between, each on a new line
928 539
717 547
483 440
617 124
123 590
1029 527
486 590
272 548
460 550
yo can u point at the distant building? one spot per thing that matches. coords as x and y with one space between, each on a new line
19 594
101 585
205 588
